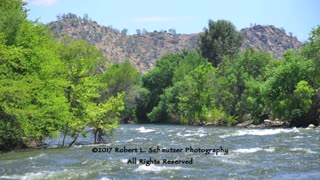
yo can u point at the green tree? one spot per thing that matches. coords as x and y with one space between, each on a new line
312 48
48 87
155 81
288 92
218 40
190 60
312 51
104 116
240 80
252 69
81 61
192 100
95 97
169 69
118 78
12 15
187 63
32 101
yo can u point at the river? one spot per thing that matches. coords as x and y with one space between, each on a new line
244 154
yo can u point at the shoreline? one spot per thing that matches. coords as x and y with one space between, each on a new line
42 146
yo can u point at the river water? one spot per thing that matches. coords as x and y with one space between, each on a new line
244 154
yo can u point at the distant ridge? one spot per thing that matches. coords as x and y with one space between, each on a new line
145 48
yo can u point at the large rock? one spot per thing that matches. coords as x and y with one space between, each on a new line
311 126
267 123
270 123
244 124
253 126
278 123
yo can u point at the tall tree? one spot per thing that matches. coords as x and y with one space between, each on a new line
12 15
120 78
241 78
32 102
288 92
156 81
218 40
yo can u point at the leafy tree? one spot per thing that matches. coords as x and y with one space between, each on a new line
312 48
82 86
135 98
218 40
253 68
104 117
120 78
32 101
240 80
170 69
312 51
190 60
12 15
155 81
191 100
288 92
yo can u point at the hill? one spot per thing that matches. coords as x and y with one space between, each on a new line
145 48
270 39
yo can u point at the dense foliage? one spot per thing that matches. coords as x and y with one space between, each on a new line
234 87
49 88
220 39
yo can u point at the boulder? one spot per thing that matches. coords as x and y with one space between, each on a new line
276 123
253 126
244 124
210 124
267 121
311 126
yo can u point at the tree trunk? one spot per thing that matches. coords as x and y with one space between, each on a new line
74 140
65 134
98 136
95 136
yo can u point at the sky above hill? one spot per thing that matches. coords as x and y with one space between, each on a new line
296 16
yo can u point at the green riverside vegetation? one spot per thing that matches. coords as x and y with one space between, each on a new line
51 88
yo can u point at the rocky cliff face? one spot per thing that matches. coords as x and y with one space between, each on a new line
145 48
269 39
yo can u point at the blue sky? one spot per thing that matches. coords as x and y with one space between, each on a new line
296 16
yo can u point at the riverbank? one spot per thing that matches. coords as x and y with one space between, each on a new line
267 124
275 153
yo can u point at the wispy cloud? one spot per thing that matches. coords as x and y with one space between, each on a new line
154 19
43 2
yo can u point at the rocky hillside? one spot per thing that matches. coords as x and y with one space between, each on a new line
269 39
144 48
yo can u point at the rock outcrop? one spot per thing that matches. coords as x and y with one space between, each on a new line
267 123
311 126
244 124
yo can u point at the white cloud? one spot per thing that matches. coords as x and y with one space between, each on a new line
154 19
43 2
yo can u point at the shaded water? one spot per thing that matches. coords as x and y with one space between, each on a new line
252 154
